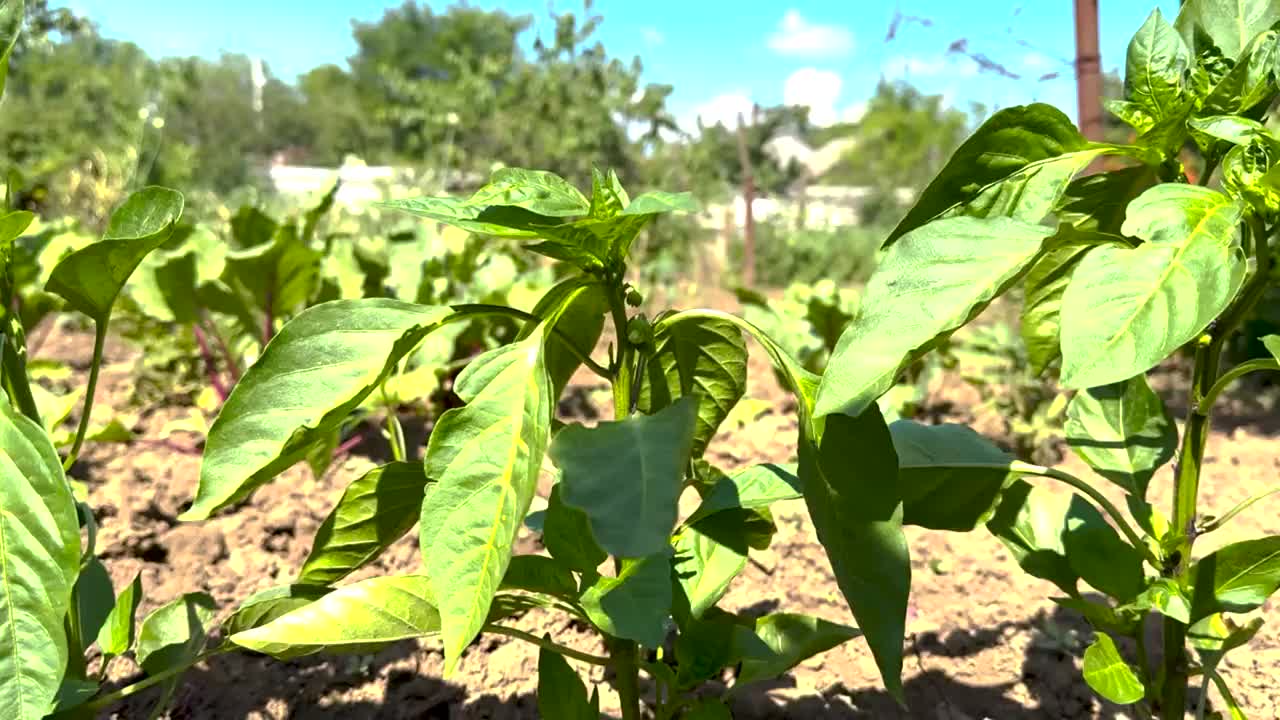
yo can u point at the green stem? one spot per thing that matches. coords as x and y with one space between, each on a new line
131 690
395 432
547 645
99 341
622 654
1107 506
1230 376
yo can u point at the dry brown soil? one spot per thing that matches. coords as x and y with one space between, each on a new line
984 642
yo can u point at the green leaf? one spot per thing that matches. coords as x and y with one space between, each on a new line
354 618
627 476
1126 309
174 633
537 191
281 276
759 486
706 565
40 554
1166 597
928 284
1098 202
1231 24
849 473
1272 344
701 358
1123 432
374 511
1098 555
1109 675
566 532
266 606
607 195
485 458
1008 147
118 632
561 693
657 202
1237 578
1042 303
791 640
539 574
636 604
1158 69
10 27
309 378
1030 523
576 308
460 214
97 597
1229 128
89 279
1249 87
949 475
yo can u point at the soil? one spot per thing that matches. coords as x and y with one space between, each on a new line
983 640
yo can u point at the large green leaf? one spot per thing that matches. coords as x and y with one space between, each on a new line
40 557
1230 24
949 475
1009 147
703 358
791 639
1030 522
1098 554
537 191
1042 303
540 574
10 27
309 378
626 476
634 605
1109 675
1126 309
561 693
566 532
1157 69
929 283
1237 578
759 486
118 632
174 633
706 565
353 618
266 606
376 509
280 277
1097 203
1250 86
461 214
485 458
849 473
1123 431
575 307
89 279
96 598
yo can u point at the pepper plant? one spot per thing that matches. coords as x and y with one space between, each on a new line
1119 270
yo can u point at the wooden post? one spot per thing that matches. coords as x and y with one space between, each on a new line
1088 70
748 198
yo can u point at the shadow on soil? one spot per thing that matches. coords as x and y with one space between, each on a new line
237 687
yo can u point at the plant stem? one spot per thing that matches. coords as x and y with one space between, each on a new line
1107 506
135 688
1230 376
233 367
623 653
211 368
547 645
99 341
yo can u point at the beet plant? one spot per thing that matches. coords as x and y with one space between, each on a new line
1119 270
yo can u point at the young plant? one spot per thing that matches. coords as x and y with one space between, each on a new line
1133 264
621 559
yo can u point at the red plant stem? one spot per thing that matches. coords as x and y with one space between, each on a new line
210 367
233 367
347 445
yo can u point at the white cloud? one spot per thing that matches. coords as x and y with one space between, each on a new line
722 109
1034 60
816 89
652 36
797 36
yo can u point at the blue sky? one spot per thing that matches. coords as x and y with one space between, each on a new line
719 55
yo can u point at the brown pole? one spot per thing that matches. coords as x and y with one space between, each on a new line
1088 70
748 197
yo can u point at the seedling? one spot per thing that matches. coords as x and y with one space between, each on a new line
1132 265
